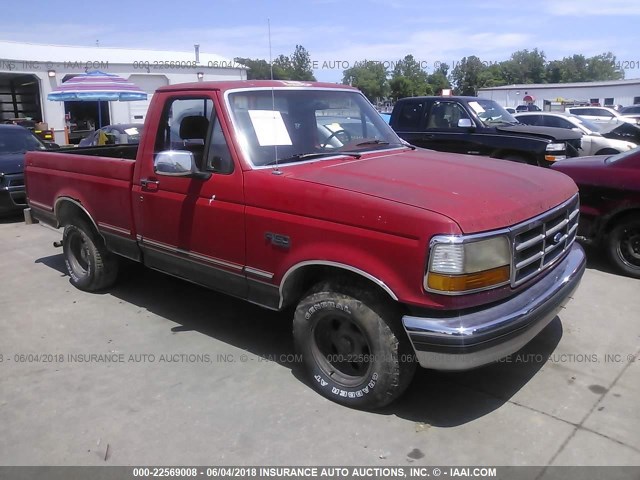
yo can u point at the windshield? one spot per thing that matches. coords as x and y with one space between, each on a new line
588 124
18 140
622 156
287 125
491 113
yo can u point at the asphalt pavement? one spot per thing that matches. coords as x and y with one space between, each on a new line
158 371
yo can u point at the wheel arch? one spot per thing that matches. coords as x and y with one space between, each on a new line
67 208
614 219
299 278
607 151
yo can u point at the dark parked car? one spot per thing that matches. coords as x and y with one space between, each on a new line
125 133
610 204
527 108
479 126
14 142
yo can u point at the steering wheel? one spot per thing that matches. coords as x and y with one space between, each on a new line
335 134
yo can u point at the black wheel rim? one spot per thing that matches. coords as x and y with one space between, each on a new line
629 247
78 254
341 349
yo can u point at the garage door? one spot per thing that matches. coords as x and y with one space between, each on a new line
148 83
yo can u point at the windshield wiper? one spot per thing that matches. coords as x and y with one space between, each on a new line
371 142
310 156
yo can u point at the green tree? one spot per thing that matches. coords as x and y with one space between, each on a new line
296 67
604 67
438 80
369 77
283 64
301 65
260 69
579 68
467 75
524 66
409 80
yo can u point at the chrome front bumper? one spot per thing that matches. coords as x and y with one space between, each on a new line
465 340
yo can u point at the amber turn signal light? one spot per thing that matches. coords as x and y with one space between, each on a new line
469 281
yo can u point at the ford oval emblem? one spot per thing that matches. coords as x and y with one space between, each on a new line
557 237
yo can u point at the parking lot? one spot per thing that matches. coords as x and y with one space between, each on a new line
158 371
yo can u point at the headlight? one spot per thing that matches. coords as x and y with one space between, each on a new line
556 147
458 265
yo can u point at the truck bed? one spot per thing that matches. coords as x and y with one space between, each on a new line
127 152
97 179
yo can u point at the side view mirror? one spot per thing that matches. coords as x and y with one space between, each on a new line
51 145
465 123
178 163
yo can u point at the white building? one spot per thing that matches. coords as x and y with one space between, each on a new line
610 93
29 72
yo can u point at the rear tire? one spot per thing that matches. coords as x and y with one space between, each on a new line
353 348
90 265
623 246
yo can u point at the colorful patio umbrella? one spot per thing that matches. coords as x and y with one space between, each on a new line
97 86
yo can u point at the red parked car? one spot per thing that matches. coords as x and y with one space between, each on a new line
610 204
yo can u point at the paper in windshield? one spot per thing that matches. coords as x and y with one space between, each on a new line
269 127
477 107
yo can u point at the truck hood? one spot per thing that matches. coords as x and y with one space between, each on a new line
581 163
544 132
11 162
479 194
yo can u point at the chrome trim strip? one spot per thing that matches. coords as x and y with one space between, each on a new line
257 272
193 255
181 256
528 243
41 205
362 273
553 230
79 205
107 226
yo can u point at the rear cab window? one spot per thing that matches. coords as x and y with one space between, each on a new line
410 115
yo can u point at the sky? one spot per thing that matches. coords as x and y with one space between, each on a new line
339 33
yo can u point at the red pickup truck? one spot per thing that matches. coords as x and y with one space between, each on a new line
291 194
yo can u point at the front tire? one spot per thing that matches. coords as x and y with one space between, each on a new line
353 347
623 246
90 265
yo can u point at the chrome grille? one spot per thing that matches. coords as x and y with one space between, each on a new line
539 243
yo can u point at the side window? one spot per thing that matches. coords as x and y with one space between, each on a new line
445 115
184 126
409 116
557 122
530 119
218 157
